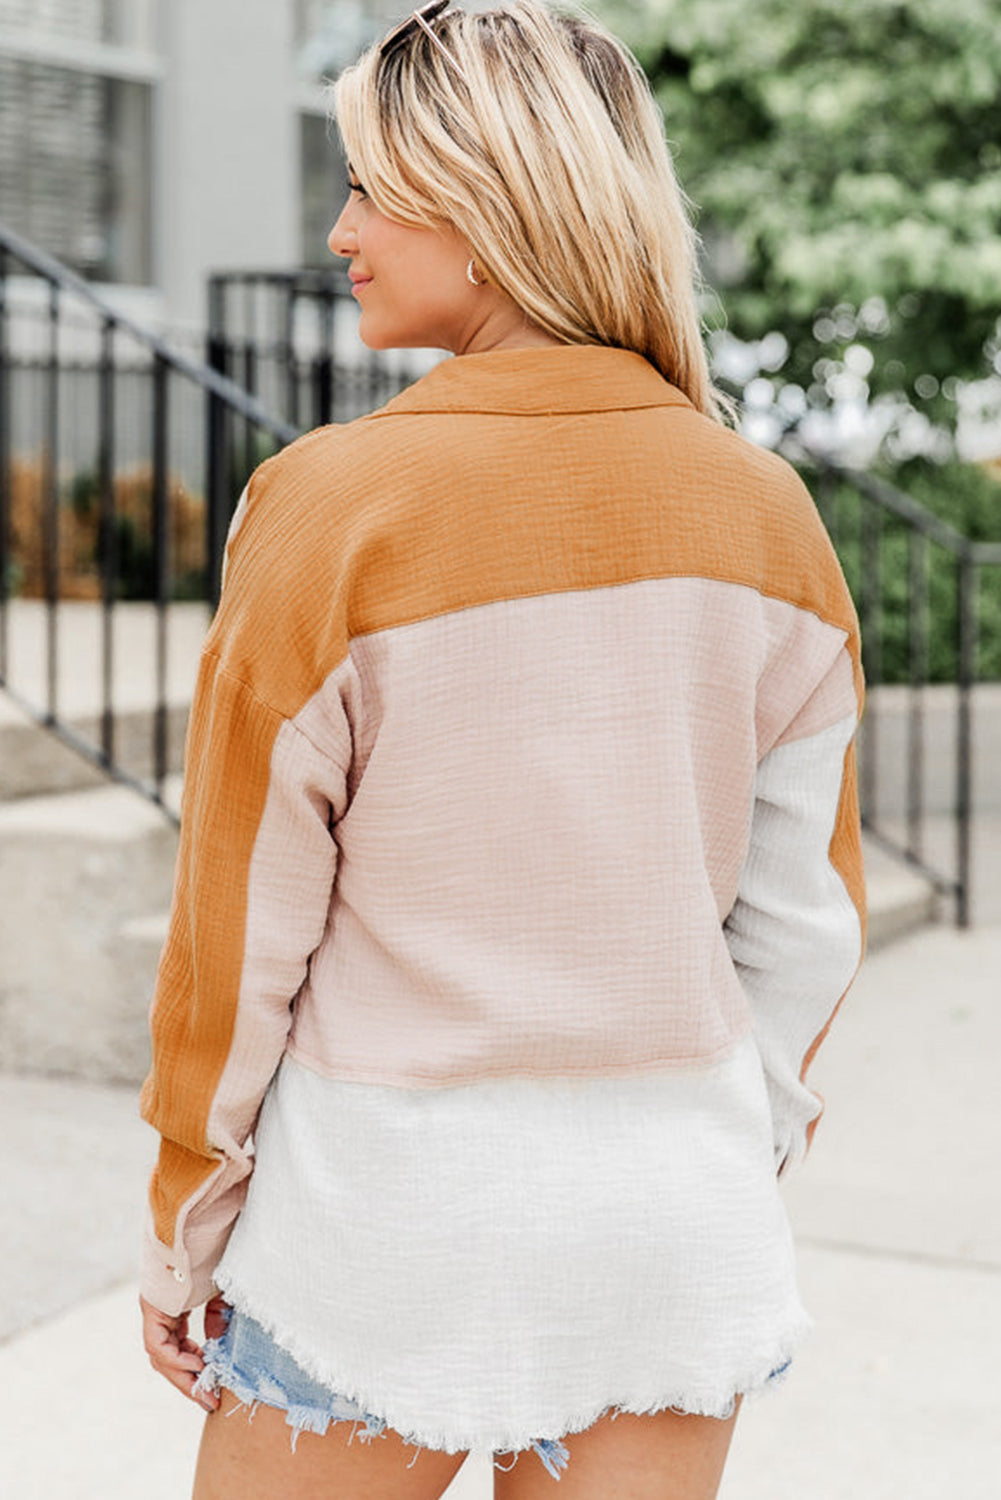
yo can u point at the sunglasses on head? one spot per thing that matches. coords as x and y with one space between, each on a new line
420 20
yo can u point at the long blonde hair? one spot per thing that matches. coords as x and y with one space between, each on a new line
538 140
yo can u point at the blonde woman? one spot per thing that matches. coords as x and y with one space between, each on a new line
519 875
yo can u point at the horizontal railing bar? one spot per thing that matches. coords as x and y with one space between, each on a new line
304 275
90 365
888 497
903 505
56 274
80 364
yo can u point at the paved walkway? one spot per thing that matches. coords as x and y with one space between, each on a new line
898 1217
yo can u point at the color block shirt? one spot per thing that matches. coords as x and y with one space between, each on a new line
519 880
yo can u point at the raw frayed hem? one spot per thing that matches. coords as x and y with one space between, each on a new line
555 1454
551 1451
751 1382
221 1372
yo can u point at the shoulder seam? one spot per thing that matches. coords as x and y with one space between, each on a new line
224 671
511 598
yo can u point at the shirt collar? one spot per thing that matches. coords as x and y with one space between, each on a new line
540 381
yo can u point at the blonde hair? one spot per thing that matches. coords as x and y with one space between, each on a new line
538 139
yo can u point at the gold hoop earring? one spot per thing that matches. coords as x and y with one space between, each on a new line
471 275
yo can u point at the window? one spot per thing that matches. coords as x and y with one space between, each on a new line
329 34
75 166
123 23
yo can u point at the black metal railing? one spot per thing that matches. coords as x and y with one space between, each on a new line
290 338
918 584
112 446
93 409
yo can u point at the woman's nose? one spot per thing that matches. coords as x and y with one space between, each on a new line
343 238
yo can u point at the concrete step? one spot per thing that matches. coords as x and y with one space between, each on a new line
899 899
33 762
84 879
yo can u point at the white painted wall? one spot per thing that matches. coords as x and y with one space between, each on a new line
227 166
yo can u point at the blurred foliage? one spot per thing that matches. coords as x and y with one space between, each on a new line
80 537
845 157
966 497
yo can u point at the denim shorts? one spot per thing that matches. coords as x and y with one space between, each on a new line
247 1361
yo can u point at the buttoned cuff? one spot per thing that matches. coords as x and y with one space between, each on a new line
168 1280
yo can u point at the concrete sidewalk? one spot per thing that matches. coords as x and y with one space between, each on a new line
896 1396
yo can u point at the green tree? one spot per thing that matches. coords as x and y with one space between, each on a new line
845 157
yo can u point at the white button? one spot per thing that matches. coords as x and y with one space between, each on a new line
178 1274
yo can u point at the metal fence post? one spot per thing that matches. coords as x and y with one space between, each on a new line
217 498
107 534
161 564
870 541
966 611
289 354
917 651
323 372
6 474
50 512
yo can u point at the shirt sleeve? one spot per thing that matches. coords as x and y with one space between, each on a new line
796 930
256 866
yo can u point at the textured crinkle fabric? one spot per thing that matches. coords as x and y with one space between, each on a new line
520 870
503 1261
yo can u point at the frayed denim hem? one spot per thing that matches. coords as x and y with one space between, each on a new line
262 1389
220 1371
552 1451
251 1365
247 1361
